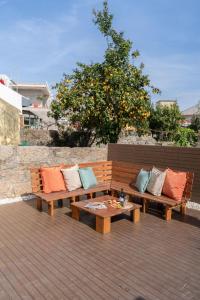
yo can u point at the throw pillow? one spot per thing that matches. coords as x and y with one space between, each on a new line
52 179
72 178
88 178
156 182
174 184
142 180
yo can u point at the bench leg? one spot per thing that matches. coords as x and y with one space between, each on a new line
144 206
75 213
183 209
136 215
113 193
51 208
168 213
90 196
103 225
39 204
73 199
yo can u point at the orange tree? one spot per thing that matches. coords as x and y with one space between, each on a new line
103 98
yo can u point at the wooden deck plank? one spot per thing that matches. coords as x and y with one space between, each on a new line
59 258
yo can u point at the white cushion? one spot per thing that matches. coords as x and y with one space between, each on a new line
72 178
156 182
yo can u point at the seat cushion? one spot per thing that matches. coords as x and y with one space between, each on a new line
174 184
142 180
52 179
156 182
88 178
72 178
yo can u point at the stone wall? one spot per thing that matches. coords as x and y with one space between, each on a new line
15 164
9 124
37 137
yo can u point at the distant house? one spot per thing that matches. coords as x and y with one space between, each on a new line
38 95
189 112
167 103
35 104
36 100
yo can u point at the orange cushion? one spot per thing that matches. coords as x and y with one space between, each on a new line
174 184
52 179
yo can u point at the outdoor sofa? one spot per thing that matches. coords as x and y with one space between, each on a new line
112 176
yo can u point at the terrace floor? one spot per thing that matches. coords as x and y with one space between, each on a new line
59 258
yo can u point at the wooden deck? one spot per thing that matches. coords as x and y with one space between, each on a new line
59 258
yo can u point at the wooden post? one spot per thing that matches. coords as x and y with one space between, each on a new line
144 205
73 199
103 225
51 208
75 213
168 213
136 215
77 199
89 196
147 206
39 204
112 193
183 209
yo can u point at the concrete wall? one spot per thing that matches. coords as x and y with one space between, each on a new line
9 124
15 164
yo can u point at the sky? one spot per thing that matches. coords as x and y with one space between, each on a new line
42 39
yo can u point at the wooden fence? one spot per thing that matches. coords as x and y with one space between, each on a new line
173 157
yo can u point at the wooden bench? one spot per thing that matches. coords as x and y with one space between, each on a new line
124 176
103 173
111 177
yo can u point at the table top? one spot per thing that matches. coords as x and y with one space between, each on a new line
107 212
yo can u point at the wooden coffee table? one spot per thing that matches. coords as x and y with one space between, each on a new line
103 216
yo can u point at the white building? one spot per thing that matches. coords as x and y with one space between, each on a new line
167 103
35 102
38 95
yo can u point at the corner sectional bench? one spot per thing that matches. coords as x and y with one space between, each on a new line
112 176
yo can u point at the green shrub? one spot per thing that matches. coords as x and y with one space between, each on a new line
185 137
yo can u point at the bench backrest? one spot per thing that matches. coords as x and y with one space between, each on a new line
105 171
102 170
127 173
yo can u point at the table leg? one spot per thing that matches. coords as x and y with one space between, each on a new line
103 225
136 215
75 213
